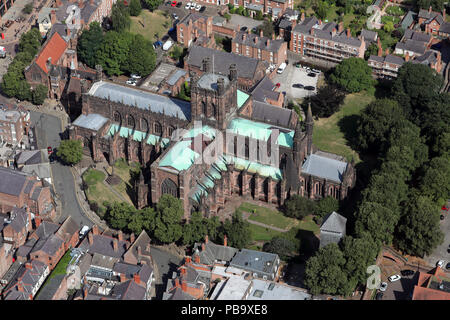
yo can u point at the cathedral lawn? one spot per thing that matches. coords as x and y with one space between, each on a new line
268 216
153 22
329 133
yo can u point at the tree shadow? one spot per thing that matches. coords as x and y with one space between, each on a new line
348 125
165 277
383 89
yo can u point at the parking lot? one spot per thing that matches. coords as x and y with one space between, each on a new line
440 253
293 75
401 289
241 21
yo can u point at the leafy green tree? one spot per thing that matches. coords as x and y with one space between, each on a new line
237 230
326 205
378 220
135 8
299 207
372 49
321 10
267 29
169 212
120 17
435 183
259 15
119 214
324 272
30 42
152 4
437 5
281 246
388 26
408 87
359 253
143 219
114 52
195 230
327 101
136 223
28 8
70 151
176 53
375 124
89 43
141 58
39 94
419 231
353 75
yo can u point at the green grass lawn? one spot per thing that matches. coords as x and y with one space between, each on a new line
59 269
92 176
309 225
328 135
267 216
150 23
262 234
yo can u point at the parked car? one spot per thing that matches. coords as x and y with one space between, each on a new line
49 150
395 277
198 7
442 217
83 231
440 263
179 4
187 6
383 286
203 8
298 85
173 3
310 88
131 82
193 5
298 65
379 296
281 67
308 69
315 71
312 74
244 28
135 76
174 16
157 44
447 267
407 273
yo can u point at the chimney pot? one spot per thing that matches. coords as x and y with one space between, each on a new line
225 240
115 245
95 229
28 265
137 278
132 238
261 33
177 282
348 33
302 16
120 235
91 238
206 239
197 259
183 285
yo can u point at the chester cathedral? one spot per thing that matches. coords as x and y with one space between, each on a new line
121 121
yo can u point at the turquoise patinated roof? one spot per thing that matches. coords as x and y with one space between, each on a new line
241 98
138 135
181 156
261 131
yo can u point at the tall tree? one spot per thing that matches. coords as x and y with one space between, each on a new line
326 102
114 52
437 5
195 230
39 94
435 183
353 75
169 212
326 205
119 214
120 17
237 230
135 7
152 4
419 231
299 207
89 43
70 151
281 246
141 58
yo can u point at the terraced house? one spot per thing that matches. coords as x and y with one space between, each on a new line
262 151
325 41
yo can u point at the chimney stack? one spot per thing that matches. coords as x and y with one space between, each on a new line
387 51
90 238
255 39
430 9
261 33
28 265
407 56
132 238
20 286
58 3
115 245
206 239
183 285
95 229
268 43
123 277
273 36
177 282
85 292
120 235
225 240
188 259
380 49
203 247
139 251
183 271
443 13
137 278
302 16
340 27
147 247
320 22
197 259
348 33
37 221
294 23
53 17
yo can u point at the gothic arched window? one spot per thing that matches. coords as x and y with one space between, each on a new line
317 189
171 130
169 187
214 111
157 128
117 117
130 121
204 109
144 125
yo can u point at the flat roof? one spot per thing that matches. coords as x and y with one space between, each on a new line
268 290
232 289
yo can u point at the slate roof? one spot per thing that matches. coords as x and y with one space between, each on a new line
246 67
214 252
128 290
265 89
103 245
284 23
51 287
23 251
445 27
141 241
28 278
408 19
429 16
29 157
193 17
41 170
29 186
67 229
54 49
334 222
50 245
11 181
99 260
176 76
369 35
177 294
244 38
9 115
253 260
324 167
141 99
411 45
271 114
20 220
46 229
36 193
390 58
92 121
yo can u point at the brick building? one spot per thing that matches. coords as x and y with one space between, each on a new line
431 21
196 28
432 286
326 41
6 256
272 50
11 126
250 70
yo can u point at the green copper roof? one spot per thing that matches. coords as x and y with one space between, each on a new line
261 131
181 156
241 98
137 135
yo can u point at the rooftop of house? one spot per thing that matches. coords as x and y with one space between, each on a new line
50 288
87 9
388 59
369 35
46 229
256 41
428 58
104 245
192 17
246 67
19 217
234 288
128 290
141 99
430 16
268 290
92 121
214 252
53 49
265 89
334 222
31 157
26 277
326 31
324 167
445 28
104 262
50 245
68 229
256 261
408 19
142 242
268 113
12 182
9 115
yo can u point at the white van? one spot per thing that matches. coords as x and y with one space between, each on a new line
83 231
167 45
281 67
